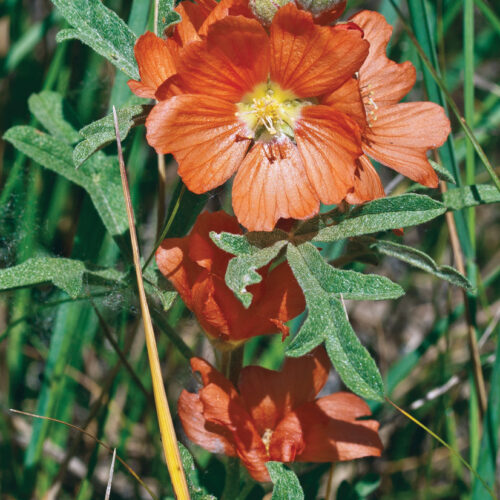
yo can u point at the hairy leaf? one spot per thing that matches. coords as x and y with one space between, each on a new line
327 322
66 274
378 215
348 284
49 109
470 196
102 132
99 177
102 30
422 261
286 484
443 173
242 270
166 15
195 491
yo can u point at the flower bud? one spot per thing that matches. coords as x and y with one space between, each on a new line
332 8
264 10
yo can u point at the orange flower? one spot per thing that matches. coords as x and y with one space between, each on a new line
246 101
196 267
395 134
275 416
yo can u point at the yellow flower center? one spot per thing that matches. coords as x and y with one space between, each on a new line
266 438
269 111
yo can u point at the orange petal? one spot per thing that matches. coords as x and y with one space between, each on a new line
278 299
380 78
156 63
269 395
347 99
215 440
401 136
271 183
367 184
328 142
311 60
192 17
327 430
223 9
229 63
174 263
204 136
227 411
201 247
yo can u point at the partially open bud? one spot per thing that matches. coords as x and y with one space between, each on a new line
326 10
264 10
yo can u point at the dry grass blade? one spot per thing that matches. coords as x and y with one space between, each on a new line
97 440
110 480
167 431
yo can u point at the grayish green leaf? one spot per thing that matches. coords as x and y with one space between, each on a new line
166 15
327 322
66 274
102 30
443 173
348 284
99 177
195 491
422 261
286 484
242 270
470 196
378 215
48 109
102 132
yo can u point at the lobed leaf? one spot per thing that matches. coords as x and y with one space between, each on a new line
421 260
327 322
102 30
286 484
378 215
166 15
49 109
100 177
349 284
66 274
242 270
102 132
470 196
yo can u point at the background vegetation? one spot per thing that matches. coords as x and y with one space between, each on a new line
79 355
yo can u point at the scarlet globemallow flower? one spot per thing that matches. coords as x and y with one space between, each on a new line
197 267
395 134
246 101
275 416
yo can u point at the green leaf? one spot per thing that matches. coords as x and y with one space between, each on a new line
195 491
348 284
379 215
470 196
99 177
166 15
242 270
102 30
49 109
66 274
443 173
327 322
249 243
102 132
421 260
286 484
